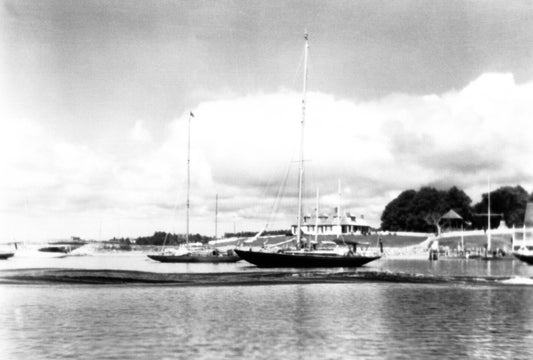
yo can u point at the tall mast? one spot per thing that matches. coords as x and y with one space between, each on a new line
216 215
188 174
316 216
301 160
488 217
339 212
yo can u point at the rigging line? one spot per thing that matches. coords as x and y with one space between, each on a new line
283 186
265 195
237 67
174 209
297 72
268 184
279 196
169 221
273 176
281 190
275 203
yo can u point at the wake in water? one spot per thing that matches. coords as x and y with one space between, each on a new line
117 277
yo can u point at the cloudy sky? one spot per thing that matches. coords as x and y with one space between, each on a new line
96 96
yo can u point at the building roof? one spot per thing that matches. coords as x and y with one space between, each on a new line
451 215
334 221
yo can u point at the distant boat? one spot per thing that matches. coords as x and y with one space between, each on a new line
193 253
489 253
204 255
6 255
524 250
525 254
62 247
306 254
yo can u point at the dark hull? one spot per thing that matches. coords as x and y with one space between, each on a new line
525 258
496 258
55 249
272 260
195 259
4 256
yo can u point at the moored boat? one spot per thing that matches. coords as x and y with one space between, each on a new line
62 247
6 251
304 258
523 249
213 256
525 255
192 253
306 254
6 255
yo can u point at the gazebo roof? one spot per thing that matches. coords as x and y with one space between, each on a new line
451 215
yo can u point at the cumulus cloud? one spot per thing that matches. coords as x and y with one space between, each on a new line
140 133
245 148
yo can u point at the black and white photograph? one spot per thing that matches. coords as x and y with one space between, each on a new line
282 179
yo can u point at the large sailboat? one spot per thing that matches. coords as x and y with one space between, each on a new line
193 252
306 254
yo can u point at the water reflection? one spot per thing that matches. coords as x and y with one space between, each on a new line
312 321
316 321
139 262
454 321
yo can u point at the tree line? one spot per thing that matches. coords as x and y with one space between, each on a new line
421 210
160 237
253 233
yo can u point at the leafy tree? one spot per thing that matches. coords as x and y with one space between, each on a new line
171 239
396 215
253 233
507 200
457 200
421 210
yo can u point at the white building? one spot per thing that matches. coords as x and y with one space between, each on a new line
333 225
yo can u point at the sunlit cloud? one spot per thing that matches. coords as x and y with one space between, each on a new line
242 149
140 133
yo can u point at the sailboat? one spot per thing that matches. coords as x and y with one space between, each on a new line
193 252
305 255
523 250
4 255
489 253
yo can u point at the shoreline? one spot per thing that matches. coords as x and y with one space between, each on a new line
58 276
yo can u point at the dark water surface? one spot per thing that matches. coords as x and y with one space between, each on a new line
362 319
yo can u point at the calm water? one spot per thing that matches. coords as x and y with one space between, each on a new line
363 319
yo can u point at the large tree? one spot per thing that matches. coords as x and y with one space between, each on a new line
457 200
421 210
397 213
506 200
